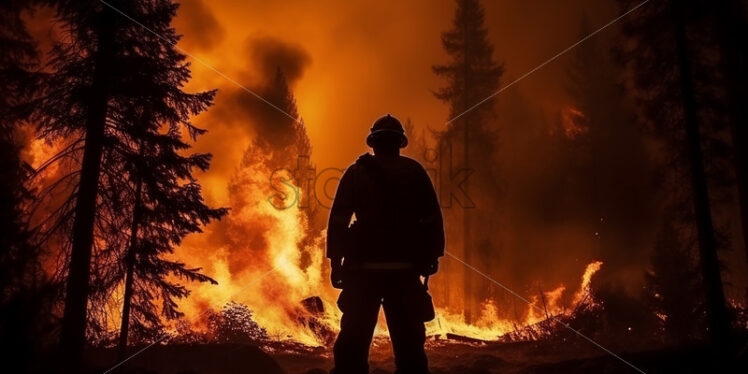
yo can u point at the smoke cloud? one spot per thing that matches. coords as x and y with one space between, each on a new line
198 16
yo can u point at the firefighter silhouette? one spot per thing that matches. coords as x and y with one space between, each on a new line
385 232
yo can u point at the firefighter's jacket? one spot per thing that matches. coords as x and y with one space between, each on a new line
398 220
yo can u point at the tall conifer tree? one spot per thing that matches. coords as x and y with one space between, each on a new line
672 73
24 291
107 69
471 76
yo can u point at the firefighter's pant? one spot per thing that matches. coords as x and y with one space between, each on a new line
399 294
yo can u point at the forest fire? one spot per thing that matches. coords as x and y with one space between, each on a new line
490 327
567 182
260 237
270 252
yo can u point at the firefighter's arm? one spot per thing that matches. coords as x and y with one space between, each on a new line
338 238
433 225
433 219
340 217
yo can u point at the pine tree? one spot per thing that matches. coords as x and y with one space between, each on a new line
287 142
164 210
732 36
25 294
610 167
672 74
78 100
472 76
280 141
673 280
282 134
17 82
106 69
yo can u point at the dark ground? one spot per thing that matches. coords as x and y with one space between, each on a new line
446 357
531 358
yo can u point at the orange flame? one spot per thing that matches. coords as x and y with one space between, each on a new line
300 271
265 260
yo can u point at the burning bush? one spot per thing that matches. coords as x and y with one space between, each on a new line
234 324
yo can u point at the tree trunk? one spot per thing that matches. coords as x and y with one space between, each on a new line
129 276
710 270
73 334
466 245
733 37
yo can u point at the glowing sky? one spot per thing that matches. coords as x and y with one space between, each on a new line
364 59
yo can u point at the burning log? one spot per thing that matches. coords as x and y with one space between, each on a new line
314 305
314 311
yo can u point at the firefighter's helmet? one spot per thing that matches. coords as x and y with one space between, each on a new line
387 125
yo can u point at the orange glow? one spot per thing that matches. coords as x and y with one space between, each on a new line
339 91
300 271
264 260
572 121
346 69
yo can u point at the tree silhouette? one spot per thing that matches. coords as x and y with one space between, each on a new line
471 76
671 68
234 324
17 82
280 135
673 280
610 168
25 293
732 36
164 210
280 143
116 83
77 101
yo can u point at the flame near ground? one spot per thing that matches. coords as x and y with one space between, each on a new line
264 257
271 259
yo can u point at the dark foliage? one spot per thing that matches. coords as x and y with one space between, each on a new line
234 324
673 282
673 72
469 142
731 25
26 295
117 87
608 168
17 78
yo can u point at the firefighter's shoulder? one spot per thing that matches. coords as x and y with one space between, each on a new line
412 164
359 166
